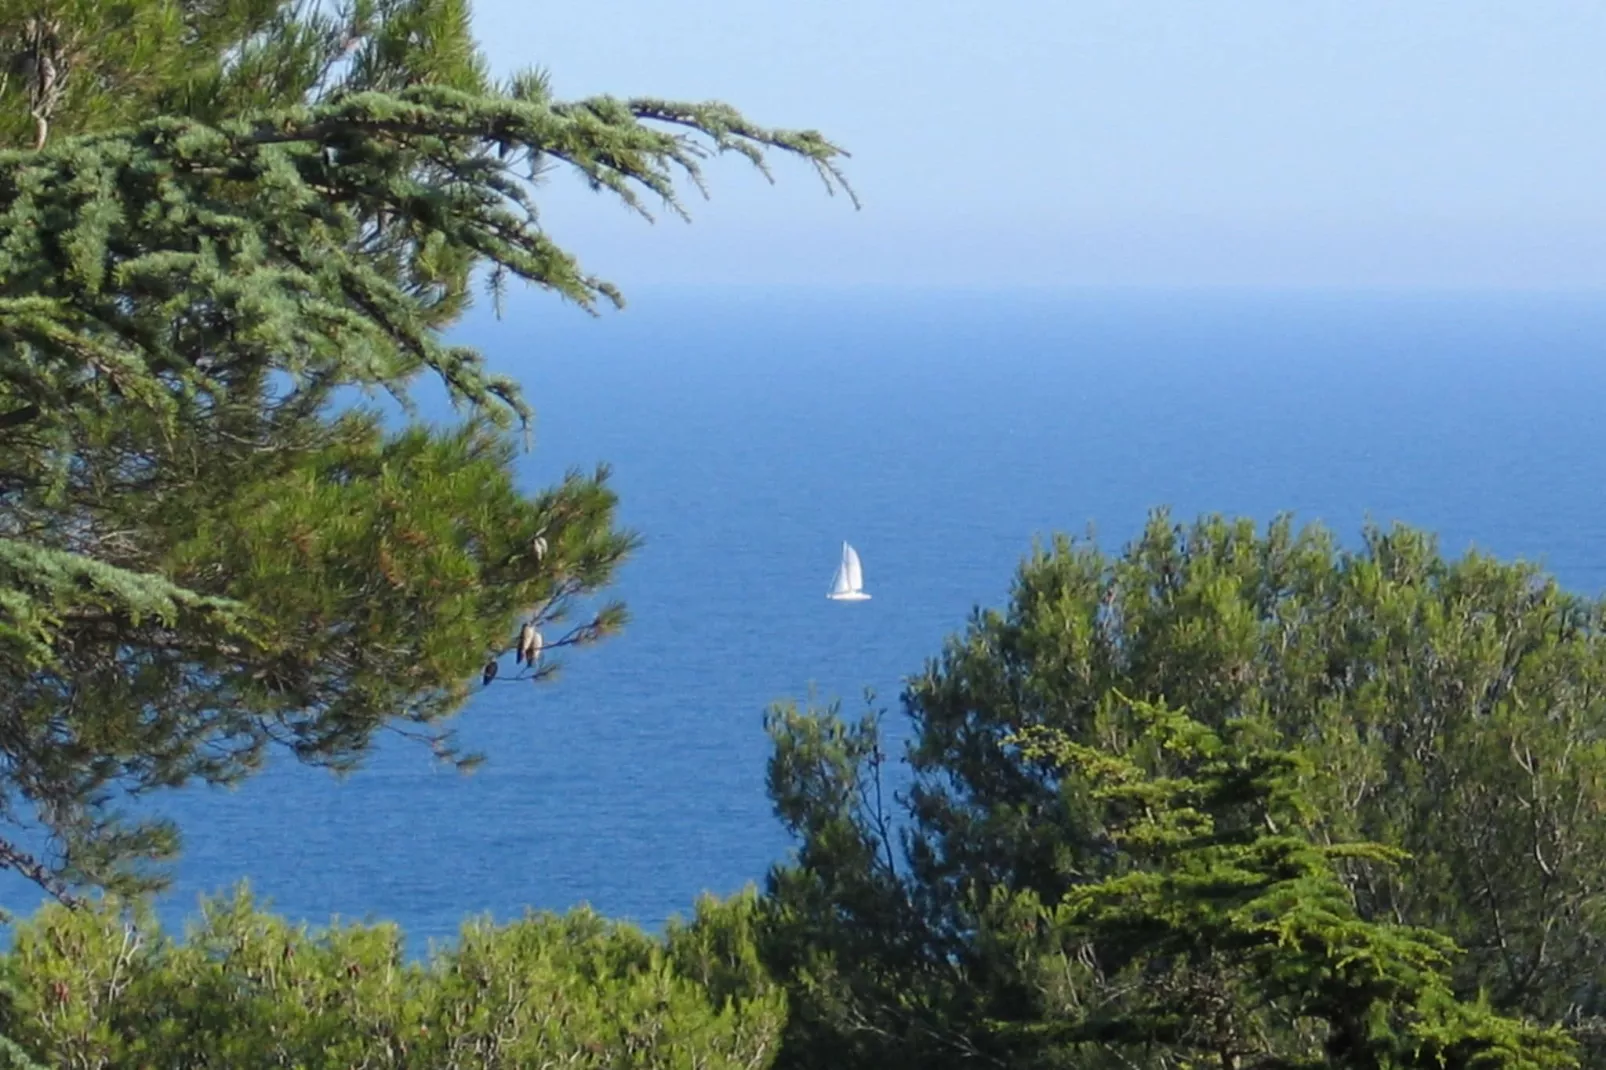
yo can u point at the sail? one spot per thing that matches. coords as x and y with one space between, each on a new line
839 582
853 573
848 583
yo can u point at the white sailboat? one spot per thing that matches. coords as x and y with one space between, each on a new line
848 585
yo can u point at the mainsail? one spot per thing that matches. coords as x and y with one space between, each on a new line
848 584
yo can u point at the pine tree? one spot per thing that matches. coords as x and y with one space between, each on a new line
201 555
1197 922
1228 936
1448 709
77 66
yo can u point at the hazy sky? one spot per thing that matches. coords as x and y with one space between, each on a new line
1230 142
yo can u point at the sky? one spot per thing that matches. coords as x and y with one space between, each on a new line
1237 143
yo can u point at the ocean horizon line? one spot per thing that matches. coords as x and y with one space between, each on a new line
1226 290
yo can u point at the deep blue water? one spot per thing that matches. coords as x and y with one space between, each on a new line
751 432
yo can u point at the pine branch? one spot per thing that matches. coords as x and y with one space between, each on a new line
20 861
19 416
259 219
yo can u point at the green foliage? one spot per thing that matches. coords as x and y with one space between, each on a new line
718 948
96 988
252 216
1448 710
1226 935
117 64
155 267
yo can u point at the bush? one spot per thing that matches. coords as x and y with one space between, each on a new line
104 988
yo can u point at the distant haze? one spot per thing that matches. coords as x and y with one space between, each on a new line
1359 143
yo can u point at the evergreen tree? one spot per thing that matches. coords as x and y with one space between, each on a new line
1226 936
202 555
80 66
244 989
1446 709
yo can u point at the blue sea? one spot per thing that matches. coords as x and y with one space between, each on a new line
751 431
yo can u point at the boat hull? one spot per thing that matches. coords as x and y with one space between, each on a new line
851 596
